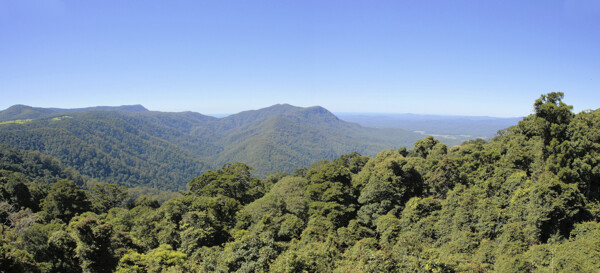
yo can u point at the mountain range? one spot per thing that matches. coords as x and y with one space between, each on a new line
460 127
133 146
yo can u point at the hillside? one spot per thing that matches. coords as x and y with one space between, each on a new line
107 146
36 167
23 112
132 146
284 138
526 201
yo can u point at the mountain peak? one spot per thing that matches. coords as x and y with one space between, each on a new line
20 111
279 108
315 113
19 108
318 109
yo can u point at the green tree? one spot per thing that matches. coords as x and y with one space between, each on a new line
13 189
160 259
61 247
582 159
387 182
198 228
548 207
94 244
103 197
330 193
250 253
367 256
13 259
64 200
555 112
232 180
429 146
443 178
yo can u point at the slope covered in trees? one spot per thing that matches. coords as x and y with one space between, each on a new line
37 167
526 201
105 146
131 146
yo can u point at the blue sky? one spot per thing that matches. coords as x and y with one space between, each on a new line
437 57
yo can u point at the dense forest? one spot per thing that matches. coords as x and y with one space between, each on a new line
134 147
526 201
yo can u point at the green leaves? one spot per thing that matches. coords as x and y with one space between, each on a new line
232 180
528 200
64 200
107 196
160 259
387 182
94 246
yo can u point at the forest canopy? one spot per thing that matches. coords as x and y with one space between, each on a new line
528 200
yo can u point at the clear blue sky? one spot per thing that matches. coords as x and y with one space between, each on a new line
438 57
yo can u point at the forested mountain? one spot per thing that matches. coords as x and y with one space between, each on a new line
43 170
284 138
132 146
107 146
22 112
526 201
37 167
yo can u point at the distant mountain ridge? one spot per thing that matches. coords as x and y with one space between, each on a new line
19 111
467 126
133 146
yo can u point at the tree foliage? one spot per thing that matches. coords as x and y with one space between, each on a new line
526 201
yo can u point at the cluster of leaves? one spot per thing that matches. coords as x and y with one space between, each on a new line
526 201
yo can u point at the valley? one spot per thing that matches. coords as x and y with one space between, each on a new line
132 146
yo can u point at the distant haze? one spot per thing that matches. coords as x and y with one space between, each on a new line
469 126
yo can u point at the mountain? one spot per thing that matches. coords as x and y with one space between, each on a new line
285 140
113 146
132 146
526 201
21 112
37 167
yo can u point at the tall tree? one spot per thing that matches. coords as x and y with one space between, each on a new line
64 200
